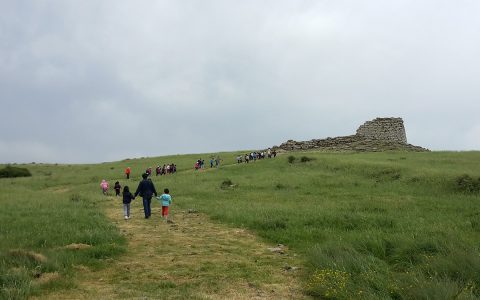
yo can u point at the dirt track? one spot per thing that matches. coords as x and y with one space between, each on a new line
191 258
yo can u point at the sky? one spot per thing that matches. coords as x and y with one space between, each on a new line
95 81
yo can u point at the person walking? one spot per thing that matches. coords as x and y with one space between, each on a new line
104 186
166 200
127 172
127 199
146 190
117 188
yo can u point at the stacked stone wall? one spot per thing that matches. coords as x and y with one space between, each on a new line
380 134
388 129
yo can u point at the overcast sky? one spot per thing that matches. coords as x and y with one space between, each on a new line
92 81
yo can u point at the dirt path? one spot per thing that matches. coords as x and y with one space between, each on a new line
192 258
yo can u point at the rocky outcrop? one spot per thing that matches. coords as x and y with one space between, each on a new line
380 134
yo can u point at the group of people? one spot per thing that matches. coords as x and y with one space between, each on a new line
200 164
164 170
146 190
253 156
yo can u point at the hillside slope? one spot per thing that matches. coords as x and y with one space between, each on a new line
371 225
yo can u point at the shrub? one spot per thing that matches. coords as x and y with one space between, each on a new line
227 183
12 172
306 159
466 184
387 174
75 198
291 159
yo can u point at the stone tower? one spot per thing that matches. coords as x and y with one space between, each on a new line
386 129
381 134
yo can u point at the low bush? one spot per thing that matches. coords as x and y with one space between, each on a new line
227 183
306 159
385 174
12 172
291 159
466 184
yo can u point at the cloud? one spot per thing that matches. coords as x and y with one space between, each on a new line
96 81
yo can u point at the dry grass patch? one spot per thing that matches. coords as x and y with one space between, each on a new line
37 257
45 278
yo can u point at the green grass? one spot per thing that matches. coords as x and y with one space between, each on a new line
38 216
390 225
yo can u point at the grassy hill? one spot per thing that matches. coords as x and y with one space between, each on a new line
371 225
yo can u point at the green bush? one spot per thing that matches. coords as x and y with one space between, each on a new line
227 183
306 159
466 184
291 159
12 172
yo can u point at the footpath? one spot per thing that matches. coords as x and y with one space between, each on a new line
191 258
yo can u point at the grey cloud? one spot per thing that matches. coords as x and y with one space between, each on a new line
96 81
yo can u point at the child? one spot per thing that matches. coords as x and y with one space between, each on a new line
166 200
104 186
127 198
117 188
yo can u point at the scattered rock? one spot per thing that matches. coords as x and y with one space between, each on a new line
277 250
77 246
290 268
192 211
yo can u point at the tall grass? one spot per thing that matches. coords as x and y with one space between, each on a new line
38 218
381 225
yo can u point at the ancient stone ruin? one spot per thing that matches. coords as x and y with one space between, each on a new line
380 134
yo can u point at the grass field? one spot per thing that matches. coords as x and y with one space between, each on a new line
369 226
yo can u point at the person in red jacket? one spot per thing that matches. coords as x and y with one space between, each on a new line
127 172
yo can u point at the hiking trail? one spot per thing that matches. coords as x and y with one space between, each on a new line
191 258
